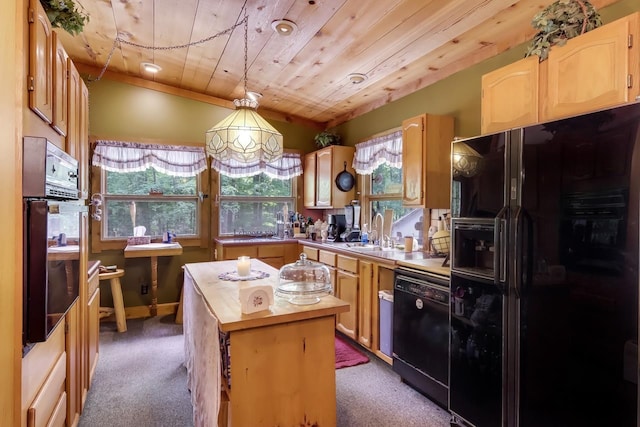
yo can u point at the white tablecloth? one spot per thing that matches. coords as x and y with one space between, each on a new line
202 356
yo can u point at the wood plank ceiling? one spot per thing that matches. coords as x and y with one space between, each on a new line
400 45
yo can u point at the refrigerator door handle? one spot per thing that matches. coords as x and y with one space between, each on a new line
500 254
523 261
518 258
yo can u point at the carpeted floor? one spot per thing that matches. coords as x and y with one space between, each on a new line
140 381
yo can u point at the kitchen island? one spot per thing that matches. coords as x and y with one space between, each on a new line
281 367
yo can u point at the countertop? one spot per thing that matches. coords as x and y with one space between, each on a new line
223 297
417 259
239 241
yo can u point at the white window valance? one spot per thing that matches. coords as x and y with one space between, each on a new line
120 156
288 166
378 150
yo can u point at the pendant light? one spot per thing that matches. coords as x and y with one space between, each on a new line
244 137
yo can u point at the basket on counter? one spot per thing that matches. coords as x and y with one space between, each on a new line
441 243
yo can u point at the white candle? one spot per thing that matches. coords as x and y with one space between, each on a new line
244 266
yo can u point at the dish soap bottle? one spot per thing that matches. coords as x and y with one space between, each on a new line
364 236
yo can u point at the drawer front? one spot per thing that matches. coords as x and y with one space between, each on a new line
270 251
311 253
348 264
328 258
233 252
43 407
94 281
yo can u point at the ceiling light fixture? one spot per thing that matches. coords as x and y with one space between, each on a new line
150 67
244 136
284 27
357 78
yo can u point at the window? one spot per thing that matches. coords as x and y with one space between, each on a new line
248 205
155 188
150 199
379 159
385 184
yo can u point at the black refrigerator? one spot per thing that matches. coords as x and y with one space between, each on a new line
544 274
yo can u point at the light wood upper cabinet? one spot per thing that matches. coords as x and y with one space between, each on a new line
73 110
83 127
40 79
510 96
321 169
60 64
324 173
426 161
596 70
309 177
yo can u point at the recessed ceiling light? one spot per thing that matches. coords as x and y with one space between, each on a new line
150 67
284 27
357 78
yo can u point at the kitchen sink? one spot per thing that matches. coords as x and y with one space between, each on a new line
372 249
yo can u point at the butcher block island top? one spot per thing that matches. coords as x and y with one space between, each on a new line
222 297
280 362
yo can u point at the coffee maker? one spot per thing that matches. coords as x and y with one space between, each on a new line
352 222
336 226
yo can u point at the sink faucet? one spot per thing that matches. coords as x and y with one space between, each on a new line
378 225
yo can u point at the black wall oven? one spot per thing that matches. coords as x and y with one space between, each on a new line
421 332
52 216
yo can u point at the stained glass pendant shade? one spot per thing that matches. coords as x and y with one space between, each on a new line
244 136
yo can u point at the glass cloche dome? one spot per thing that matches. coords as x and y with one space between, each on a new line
304 282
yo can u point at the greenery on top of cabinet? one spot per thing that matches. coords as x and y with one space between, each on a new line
66 15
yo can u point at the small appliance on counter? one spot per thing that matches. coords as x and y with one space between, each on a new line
336 227
352 222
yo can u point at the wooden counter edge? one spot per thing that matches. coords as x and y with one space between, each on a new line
256 321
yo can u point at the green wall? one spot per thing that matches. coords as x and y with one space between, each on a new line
118 110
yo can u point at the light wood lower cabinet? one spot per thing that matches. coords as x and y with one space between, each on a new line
347 290
73 346
357 280
275 254
365 302
93 341
44 372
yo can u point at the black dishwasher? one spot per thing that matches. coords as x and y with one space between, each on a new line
421 332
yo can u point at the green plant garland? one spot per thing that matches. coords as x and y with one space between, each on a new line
64 14
559 22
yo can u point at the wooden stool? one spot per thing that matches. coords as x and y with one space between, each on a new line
118 303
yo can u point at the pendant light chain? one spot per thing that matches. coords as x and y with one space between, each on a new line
246 44
119 40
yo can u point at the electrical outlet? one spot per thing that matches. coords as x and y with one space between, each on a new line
144 289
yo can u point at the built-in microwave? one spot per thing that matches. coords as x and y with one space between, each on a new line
52 215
